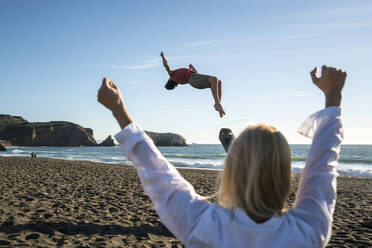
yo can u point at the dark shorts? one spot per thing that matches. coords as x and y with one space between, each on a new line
199 81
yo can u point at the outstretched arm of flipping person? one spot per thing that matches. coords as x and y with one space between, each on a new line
191 67
165 64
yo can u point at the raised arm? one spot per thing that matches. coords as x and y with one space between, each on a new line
331 83
191 67
109 96
316 196
175 200
165 63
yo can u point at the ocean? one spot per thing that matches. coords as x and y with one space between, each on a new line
355 160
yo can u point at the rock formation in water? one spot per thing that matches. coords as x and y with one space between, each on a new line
7 120
5 143
167 139
2 148
54 133
107 142
16 131
89 130
226 137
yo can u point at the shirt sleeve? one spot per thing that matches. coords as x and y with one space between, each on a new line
175 200
316 196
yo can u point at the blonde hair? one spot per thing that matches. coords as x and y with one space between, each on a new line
257 173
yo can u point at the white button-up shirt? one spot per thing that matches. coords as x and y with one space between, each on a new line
197 222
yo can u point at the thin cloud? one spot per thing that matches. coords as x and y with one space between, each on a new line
285 37
332 26
208 42
335 14
155 60
136 67
147 63
172 60
349 11
202 43
325 13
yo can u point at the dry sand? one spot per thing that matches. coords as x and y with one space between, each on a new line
48 203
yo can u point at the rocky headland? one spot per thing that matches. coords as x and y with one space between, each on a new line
16 131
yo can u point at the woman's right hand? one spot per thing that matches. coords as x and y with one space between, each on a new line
109 96
331 83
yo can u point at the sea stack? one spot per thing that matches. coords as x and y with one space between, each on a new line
226 137
167 139
108 142
2 148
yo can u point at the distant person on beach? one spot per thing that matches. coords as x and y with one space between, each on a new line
195 79
251 200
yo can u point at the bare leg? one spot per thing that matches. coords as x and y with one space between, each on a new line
220 90
213 81
214 88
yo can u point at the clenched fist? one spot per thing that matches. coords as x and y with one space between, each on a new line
331 82
109 96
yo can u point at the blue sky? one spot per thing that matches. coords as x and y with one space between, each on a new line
53 55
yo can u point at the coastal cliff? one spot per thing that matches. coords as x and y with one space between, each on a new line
17 131
8 120
54 133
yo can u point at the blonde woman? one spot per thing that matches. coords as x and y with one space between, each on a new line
255 183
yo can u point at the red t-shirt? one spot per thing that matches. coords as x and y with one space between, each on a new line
181 76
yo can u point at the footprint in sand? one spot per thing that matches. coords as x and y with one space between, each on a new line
32 236
4 243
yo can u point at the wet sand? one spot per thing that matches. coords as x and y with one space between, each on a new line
48 203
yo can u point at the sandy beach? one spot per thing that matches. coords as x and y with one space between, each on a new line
48 203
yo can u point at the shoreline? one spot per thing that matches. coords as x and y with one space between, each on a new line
55 202
182 168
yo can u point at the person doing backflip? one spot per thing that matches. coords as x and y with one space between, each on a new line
195 79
